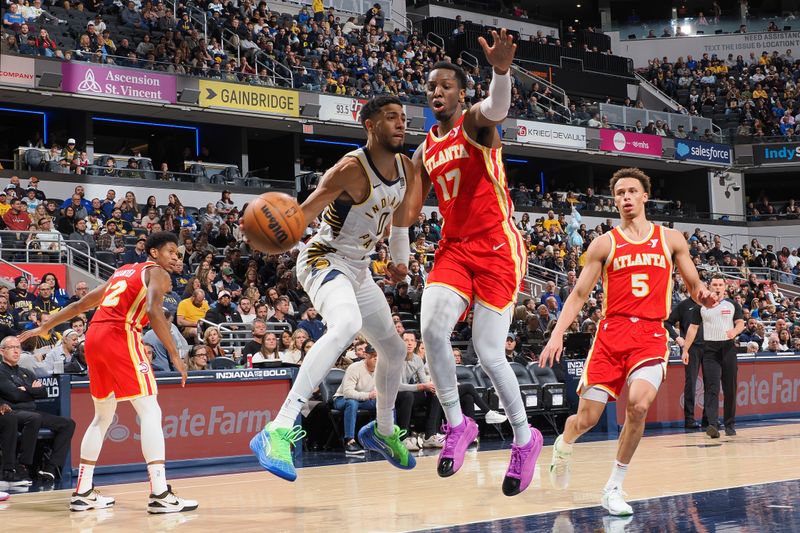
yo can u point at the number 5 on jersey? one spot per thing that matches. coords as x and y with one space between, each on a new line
639 286
449 183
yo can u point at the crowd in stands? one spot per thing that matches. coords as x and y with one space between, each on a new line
247 43
755 94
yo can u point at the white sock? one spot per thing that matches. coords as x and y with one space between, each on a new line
617 476
562 445
85 478
452 410
158 478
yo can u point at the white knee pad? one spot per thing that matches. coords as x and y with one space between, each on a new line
595 394
653 374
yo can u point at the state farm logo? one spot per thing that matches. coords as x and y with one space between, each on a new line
89 83
619 141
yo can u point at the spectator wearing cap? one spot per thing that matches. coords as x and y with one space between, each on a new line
33 183
223 311
228 283
512 355
14 188
8 321
137 253
356 393
21 299
131 169
70 151
109 240
5 205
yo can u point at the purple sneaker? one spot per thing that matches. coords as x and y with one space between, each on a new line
456 441
523 463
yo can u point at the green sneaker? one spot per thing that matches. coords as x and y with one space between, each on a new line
273 447
391 447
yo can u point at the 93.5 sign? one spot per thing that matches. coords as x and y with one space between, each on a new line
340 109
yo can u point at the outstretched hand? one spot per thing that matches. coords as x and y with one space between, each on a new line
707 298
501 54
552 351
397 272
30 333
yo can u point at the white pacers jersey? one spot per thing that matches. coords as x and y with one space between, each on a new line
348 232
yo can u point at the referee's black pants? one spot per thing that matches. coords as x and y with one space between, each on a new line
719 363
690 375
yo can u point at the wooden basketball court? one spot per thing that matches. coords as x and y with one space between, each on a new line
372 496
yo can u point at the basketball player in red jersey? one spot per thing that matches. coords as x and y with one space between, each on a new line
119 369
636 260
481 256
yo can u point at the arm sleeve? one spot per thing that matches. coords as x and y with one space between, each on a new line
399 245
495 107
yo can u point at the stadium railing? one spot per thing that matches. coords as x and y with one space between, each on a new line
626 117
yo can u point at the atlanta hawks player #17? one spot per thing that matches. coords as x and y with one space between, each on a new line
636 260
119 369
481 256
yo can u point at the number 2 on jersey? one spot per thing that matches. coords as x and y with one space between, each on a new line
450 191
639 286
112 294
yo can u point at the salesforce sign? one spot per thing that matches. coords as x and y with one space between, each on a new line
686 150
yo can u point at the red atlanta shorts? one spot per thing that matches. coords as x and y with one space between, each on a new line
622 345
118 363
485 268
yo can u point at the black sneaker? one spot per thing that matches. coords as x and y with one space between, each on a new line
169 502
352 448
712 432
691 424
17 478
730 431
48 473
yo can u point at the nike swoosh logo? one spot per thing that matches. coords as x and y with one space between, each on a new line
498 246
376 186
658 334
621 245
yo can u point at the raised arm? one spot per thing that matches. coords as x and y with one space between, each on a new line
494 109
595 257
90 301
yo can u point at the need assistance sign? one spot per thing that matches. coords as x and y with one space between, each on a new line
249 98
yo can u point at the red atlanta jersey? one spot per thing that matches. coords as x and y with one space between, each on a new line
637 276
125 300
470 184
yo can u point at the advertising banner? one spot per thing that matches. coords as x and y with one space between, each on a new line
37 270
339 109
201 420
765 387
781 153
16 70
686 150
121 83
249 98
548 134
630 143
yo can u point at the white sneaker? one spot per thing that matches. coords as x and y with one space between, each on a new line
493 417
411 444
434 441
91 499
559 466
614 502
168 502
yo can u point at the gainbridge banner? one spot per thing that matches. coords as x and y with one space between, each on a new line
216 417
770 386
249 98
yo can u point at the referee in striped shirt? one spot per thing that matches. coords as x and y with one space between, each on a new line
721 325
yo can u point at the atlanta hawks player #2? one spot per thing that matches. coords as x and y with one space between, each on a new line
636 261
119 369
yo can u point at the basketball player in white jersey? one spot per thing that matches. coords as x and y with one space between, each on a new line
359 197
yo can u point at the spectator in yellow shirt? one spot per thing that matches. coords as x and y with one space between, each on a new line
190 312
378 266
759 92
5 206
552 221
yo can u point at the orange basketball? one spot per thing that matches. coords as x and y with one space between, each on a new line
274 222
